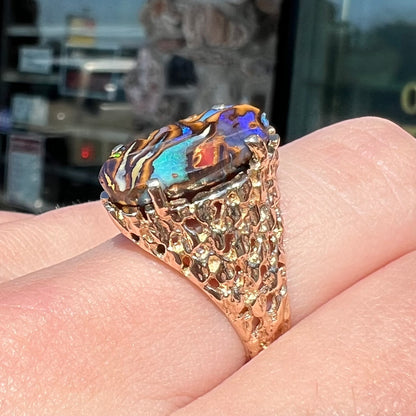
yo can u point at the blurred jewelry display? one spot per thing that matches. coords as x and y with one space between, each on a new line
231 45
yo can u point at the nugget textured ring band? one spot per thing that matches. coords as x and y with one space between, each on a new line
201 195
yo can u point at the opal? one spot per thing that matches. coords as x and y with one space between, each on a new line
193 154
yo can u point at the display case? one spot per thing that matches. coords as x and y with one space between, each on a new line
79 77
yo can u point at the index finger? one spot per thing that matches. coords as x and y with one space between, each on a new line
40 241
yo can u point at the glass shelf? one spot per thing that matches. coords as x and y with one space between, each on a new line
14 76
134 33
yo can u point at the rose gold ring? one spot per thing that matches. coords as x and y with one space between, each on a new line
201 195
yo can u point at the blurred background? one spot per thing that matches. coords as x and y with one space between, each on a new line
79 77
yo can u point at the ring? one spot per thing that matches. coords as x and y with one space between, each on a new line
201 195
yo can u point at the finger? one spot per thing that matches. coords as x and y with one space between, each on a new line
36 242
9 216
355 355
349 205
110 332
140 328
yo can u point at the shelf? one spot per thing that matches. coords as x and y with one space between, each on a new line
13 76
77 132
21 31
62 31
112 64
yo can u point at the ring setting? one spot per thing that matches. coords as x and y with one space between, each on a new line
201 195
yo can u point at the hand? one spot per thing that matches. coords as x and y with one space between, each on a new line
92 325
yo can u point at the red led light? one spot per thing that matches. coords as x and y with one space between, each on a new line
87 152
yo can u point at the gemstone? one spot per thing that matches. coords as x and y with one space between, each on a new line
193 154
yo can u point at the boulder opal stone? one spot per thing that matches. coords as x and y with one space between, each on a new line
191 155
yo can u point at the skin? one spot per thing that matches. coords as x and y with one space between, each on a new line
91 325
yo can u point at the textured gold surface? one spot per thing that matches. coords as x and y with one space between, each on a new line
227 241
